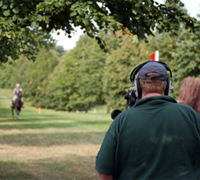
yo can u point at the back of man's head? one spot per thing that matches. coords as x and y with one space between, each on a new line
153 78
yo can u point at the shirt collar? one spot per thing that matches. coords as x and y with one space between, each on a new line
155 100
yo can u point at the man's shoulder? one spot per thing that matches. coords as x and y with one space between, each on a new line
186 107
187 110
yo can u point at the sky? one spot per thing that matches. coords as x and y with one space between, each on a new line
193 7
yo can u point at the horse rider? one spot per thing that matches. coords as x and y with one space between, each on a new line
16 91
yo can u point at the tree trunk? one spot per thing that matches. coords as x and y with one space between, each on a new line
86 109
108 110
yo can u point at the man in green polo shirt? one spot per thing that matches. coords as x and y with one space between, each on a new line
154 139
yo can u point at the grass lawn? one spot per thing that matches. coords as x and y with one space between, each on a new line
51 145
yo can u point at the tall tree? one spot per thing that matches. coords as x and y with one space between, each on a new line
31 75
118 67
34 86
6 71
187 57
65 83
91 69
90 72
78 83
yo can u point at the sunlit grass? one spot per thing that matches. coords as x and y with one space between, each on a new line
51 145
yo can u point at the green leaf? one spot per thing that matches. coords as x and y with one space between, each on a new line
30 57
47 20
16 10
134 11
57 4
33 24
84 9
73 14
1 3
12 5
182 4
135 39
90 34
102 46
89 2
6 13
5 6
137 17
8 35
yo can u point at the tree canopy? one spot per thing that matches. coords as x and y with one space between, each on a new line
26 24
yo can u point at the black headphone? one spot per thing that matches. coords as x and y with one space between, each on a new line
136 86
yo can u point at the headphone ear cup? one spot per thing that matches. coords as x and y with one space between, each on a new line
167 87
139 90
133 96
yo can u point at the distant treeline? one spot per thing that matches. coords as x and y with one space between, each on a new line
86 76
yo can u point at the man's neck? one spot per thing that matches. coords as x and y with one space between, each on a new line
150 95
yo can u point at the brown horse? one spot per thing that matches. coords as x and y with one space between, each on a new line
17 105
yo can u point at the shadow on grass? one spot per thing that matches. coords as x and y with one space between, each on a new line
28 115
52 139
42 125
33 124
12 171
67 167
5 112
49 130
73 166
24 115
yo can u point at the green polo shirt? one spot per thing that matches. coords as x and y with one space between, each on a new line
154 139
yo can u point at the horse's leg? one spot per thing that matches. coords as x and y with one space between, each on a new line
17 113
12 113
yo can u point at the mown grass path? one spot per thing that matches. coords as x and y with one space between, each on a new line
51 145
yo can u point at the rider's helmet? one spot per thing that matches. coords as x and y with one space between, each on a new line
17 85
